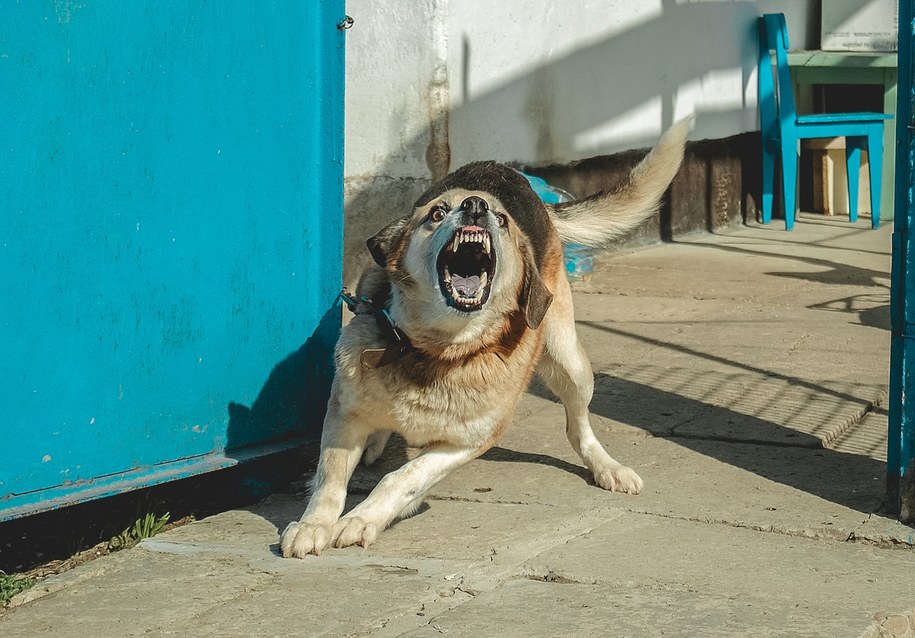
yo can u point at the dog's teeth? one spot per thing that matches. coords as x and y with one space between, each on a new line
484 278
486 246
447 274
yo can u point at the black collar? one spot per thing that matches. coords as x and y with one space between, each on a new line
399 342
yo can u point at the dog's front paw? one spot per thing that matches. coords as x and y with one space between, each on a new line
301 539
619 479
353 530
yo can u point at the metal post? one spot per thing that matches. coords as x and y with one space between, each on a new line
901 441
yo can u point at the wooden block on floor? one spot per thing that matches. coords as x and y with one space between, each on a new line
830 178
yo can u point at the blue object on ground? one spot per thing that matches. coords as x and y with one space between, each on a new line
579 259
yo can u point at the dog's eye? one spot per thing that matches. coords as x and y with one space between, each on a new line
503 219
437 214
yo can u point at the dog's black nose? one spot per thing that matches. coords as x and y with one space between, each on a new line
475 208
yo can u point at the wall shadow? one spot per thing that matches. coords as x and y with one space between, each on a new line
564 105
869 309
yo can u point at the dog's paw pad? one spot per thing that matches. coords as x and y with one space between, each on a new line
619 479
301 539
352 530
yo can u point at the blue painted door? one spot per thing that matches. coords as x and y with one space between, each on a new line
171 203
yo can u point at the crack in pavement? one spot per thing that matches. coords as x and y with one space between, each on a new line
808 533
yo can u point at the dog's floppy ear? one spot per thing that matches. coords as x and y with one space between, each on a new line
381 243
535 297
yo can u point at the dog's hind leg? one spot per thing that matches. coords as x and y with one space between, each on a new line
566 370
342 443
375 446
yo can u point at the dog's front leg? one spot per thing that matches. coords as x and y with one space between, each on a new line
567 372
342 443
399 493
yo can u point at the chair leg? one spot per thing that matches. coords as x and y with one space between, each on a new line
789 179
875 168
768 182
853 166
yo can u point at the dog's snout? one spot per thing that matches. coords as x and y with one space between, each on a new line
475 208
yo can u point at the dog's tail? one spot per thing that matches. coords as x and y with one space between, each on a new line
600 218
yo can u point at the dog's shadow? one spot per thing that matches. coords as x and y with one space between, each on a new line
504 454
397 453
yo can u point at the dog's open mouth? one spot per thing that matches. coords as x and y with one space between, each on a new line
465 268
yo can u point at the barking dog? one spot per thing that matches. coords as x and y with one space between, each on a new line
467 299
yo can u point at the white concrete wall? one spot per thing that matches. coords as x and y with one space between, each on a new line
541 81
432 85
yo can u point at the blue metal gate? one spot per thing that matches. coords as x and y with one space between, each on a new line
901 446
171 200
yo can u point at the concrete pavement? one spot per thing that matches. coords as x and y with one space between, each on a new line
743 375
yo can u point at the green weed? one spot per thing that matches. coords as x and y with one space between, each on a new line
145 527
11 584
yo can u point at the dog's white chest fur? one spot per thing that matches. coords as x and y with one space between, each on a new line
461 403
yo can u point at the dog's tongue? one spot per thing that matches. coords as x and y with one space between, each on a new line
466 286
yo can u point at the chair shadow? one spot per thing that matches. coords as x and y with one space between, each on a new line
871 309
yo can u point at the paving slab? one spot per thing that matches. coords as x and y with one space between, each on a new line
736 582
847 583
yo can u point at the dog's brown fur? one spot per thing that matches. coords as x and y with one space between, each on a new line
454 389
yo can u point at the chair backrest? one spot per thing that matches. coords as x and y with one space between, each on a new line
776 94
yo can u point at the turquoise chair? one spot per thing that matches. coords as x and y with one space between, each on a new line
782 128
